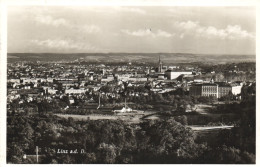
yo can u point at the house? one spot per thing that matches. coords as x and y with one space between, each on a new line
75 91
71 100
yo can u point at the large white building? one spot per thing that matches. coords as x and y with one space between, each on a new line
236 88
217 90
174 74
206 89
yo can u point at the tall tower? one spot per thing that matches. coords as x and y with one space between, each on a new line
160 64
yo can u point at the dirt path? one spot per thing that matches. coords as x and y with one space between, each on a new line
201 128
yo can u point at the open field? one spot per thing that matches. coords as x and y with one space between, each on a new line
203 117
133 117
87 117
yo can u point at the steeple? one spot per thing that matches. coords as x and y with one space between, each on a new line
160 64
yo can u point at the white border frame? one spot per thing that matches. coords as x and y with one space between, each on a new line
3 44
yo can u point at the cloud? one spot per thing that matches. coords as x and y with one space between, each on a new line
230 32
187 25
48 20
60 44
57 22
147 32
210 32
161 33
236 30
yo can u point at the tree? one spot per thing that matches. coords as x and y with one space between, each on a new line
106 89
14 105
167 141
90 158
227 155
66 100
14 153
107 153
182 119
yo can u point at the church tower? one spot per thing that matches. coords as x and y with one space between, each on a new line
160 66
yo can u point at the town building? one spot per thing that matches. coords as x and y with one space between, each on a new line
205 89
75 91
161 68
160 65
218 89
224 89
236 88
107 78
170 74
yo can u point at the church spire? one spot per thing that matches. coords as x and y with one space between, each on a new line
160 64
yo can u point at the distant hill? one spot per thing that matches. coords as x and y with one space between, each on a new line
167 58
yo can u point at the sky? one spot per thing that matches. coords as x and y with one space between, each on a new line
131 29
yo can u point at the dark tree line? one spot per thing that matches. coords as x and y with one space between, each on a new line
107 141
